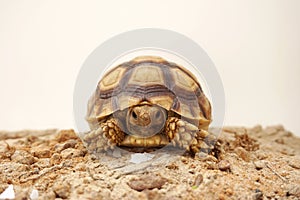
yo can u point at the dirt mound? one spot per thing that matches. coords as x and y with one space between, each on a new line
249 163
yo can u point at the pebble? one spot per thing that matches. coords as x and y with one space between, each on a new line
224 165
293 190
242 153
261 155
34 195
22 157
68 144
258 195
55 159
62 190
259 164
71 153
198 180
41 152
147 181
8 193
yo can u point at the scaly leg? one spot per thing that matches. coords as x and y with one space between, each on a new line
188 136
107 135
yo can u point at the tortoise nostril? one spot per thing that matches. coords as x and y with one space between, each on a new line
134 115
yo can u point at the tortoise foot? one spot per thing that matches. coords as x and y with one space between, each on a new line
105 137
186 135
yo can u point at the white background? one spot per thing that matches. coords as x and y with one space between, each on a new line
255 46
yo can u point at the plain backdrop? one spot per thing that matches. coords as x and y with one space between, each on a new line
254 44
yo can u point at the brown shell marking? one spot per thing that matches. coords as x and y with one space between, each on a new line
151 79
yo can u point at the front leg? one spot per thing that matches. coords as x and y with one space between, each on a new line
186 135
107 135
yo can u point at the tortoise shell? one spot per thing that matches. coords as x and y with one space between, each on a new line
154 80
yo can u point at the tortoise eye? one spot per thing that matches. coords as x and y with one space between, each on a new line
134 115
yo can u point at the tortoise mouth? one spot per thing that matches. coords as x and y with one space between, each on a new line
157 140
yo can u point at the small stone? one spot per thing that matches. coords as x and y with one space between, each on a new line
184 160
87 180
261 155
49 195
42 163
80 167
8 193
259 164
41 152
34 194
6 151
147 181
293 190
23 157
62 189
65 135
258 195
68 144
198 180
172 166
224 165
55 159
242 153
71 153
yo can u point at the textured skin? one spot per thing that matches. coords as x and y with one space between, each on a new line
160 83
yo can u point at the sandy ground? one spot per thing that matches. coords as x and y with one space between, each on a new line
250 163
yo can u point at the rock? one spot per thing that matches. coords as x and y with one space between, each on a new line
68 144
8 193
258 195
293 190
41 152
6 151
259 164
55 159
72 153
242 153
147 181
224 165
62 189
65 135
261 154
198 180
22 157
34 195
168 175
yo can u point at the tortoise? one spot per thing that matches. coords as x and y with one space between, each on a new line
149 102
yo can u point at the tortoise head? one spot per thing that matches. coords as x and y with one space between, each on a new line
145 120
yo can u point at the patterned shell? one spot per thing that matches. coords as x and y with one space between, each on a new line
154 80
